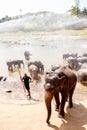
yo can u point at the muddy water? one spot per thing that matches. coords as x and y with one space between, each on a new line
49 52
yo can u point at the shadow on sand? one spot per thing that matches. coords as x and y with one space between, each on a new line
75 119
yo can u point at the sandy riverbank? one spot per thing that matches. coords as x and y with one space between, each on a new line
31 115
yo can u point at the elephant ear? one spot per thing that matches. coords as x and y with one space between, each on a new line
51 77
65 83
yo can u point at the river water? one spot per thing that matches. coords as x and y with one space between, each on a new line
49 52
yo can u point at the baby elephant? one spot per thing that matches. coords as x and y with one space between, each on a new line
62 80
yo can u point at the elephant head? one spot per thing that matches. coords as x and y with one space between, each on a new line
33 71
52 80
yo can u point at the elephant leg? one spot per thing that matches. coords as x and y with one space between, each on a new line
62 105
48 99
70 97
19 65
9 68
57 100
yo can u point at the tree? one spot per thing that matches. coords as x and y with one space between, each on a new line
84 12
77 2
74 10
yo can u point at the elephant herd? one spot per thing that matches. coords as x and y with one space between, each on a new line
78 63
60 81
35 67
63 80
74 61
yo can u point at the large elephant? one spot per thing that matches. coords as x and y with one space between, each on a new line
12 64
63 81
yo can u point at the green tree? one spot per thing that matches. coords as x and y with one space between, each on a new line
84 12
77 2
74 10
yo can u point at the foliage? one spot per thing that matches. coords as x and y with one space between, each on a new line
75 10
7 18
84 12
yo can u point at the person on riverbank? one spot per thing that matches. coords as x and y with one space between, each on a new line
26 79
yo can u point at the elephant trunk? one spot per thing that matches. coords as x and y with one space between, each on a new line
48 99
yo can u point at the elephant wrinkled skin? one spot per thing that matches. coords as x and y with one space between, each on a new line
63 81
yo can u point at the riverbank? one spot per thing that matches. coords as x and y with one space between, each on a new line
22 114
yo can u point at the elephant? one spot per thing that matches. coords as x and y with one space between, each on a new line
77 63
63 81
39 65
27 55
65 56
84 55
12 64
82 59
33 71
82 76
54 67
74 64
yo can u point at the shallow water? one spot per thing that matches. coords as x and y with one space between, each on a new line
49 52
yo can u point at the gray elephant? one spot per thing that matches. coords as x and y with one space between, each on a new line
16 63
73 55
74 64
82 76
27 55
54 67
62 81
39 65
33 71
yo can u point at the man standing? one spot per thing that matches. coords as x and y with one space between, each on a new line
26 79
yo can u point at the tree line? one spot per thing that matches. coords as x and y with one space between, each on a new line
75 10
7 18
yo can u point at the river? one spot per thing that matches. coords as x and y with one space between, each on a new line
49 52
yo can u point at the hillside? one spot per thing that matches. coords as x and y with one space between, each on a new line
43 21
